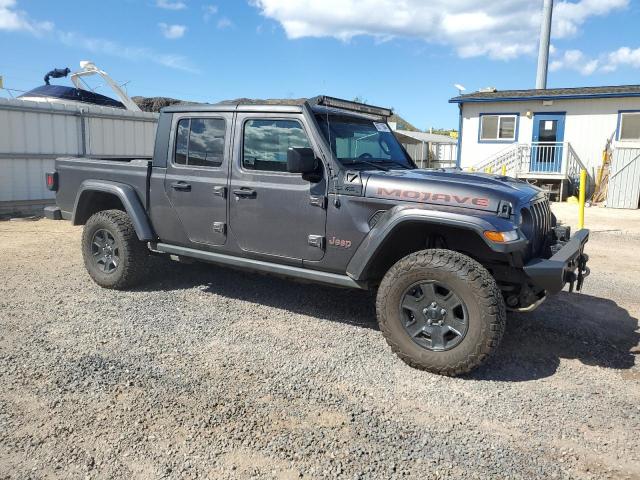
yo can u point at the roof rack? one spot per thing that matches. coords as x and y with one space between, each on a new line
340 103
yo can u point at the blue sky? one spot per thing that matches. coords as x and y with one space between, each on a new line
406 54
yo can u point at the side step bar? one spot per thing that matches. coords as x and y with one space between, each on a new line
261 266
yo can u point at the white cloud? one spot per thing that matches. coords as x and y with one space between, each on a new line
501 29
624 56
209 11
172 31
577 61
14 20
569 16
224 22
132 53
605 63
169 5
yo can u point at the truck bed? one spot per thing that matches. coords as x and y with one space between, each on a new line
73 171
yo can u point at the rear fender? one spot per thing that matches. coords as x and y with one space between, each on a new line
127 195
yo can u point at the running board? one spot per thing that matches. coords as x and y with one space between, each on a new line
261 266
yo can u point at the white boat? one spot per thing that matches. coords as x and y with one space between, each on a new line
80 92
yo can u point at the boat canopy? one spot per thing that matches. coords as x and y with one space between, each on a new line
69 94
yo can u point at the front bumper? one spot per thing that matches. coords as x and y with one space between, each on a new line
569 264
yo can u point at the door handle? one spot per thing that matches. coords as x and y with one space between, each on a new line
186 187
244 192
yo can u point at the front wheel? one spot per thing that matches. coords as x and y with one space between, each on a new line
113 255
441 311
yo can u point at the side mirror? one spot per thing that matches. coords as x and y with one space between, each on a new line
301 160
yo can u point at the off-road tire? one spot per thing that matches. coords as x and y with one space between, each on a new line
471 282
133 254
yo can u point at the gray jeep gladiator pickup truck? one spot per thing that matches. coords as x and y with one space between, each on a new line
323 191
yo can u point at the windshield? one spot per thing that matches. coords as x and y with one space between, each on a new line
358 141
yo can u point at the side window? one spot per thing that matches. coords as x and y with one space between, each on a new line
266 143
200 142
630 126
182 142
498 127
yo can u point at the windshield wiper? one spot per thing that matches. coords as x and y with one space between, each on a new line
397 163
374 165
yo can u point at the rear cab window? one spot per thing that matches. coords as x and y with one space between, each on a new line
200 142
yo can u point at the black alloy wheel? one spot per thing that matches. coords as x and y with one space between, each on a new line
434 316
105 251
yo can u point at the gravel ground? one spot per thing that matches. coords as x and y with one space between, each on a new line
211 373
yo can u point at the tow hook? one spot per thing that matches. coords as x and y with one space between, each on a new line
578 278
583 270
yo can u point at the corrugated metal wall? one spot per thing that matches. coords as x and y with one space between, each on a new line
624 178
432 154
33 134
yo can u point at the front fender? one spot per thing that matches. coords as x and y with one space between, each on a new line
129 199
475 222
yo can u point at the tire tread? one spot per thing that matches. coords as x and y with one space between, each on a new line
485 289
136 252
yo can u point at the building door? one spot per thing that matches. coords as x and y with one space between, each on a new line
273 212
547 146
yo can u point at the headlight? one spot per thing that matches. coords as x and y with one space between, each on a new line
501 237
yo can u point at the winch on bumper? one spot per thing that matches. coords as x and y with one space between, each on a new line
567 265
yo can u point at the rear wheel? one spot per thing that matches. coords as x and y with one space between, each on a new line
441 311
113 255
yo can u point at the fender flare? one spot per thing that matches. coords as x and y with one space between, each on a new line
372 243
129 199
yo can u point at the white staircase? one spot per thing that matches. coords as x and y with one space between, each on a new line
537 162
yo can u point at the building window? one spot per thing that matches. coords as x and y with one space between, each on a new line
200 142
266 143
630 126
498 128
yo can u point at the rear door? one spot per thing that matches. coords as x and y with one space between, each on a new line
197 176
273 212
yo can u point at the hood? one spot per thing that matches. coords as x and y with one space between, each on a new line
453 188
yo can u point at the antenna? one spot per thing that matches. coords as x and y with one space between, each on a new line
460 88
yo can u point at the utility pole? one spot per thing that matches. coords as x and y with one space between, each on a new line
545 38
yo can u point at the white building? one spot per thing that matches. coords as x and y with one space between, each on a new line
547 136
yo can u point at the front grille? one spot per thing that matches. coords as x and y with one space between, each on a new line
536 225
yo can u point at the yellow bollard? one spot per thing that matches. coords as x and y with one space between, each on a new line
581 198
504 170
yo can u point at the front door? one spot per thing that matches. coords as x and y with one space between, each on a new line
197 176
273 212
547 147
